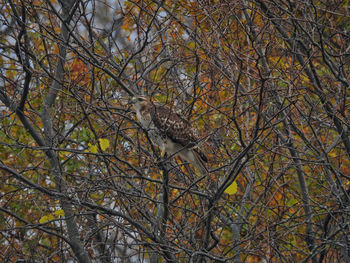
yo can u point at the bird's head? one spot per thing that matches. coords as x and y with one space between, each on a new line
140 101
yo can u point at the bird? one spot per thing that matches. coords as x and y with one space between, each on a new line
169 131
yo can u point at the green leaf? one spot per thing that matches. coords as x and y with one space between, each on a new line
232 189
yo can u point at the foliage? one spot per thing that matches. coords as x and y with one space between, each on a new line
265 82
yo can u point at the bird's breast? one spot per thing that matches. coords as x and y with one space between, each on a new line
145 119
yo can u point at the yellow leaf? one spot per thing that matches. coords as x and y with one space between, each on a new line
92 148
104 143
333 154
232 189
50 217
63 154
175 192
59 213
43 220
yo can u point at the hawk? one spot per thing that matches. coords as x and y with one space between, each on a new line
169 131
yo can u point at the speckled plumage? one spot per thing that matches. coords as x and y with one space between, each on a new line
170 131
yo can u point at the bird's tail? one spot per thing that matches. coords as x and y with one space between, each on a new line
196 158
200 160
201 154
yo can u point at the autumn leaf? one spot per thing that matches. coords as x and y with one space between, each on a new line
232 189
43 220
46 219
49 217
58 213
104 143
63 154
92 148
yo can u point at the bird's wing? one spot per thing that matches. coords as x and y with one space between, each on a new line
175 127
